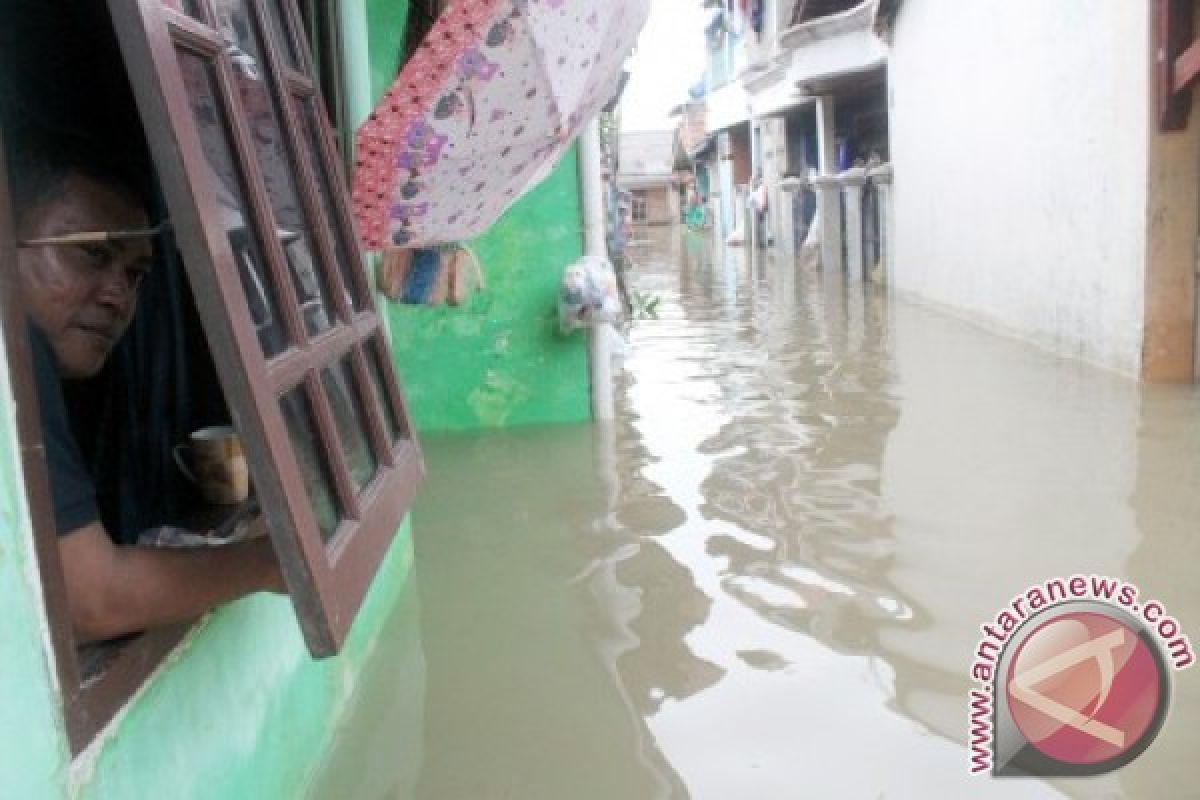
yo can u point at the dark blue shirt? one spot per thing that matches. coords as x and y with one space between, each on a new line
72 489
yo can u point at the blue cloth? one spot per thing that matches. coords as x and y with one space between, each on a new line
422 276
756 15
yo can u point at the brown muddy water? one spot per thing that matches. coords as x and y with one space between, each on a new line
766 580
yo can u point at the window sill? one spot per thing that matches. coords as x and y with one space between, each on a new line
95 705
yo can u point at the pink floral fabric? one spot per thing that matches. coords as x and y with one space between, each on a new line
483 111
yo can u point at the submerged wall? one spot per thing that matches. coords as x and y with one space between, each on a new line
239 710
1019 133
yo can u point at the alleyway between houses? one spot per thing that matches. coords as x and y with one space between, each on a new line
767 580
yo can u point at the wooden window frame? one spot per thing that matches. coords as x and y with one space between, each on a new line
639 209
1176 62
327 581
327 48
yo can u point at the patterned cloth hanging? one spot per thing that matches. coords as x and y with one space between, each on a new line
492 99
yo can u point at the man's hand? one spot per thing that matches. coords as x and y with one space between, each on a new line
113 591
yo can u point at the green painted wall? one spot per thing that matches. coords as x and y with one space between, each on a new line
500 361
386 20
239 711
32 742
243 712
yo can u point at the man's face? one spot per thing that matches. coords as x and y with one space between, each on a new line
83 296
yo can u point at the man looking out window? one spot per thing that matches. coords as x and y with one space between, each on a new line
80 297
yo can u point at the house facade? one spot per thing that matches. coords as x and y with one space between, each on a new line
1046 196
1052 198
797 97
236 705
645 169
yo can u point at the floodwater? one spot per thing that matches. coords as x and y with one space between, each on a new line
766 580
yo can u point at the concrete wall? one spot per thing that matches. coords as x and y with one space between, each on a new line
1020 141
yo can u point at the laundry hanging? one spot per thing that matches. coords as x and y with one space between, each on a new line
492 99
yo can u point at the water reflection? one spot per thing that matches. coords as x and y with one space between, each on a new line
525 623
766 579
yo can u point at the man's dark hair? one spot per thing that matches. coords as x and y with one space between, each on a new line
38 168
66 106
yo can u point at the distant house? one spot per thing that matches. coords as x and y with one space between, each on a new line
1054 196
646 170
694 150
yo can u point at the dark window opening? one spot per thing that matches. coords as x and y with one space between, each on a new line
422 14
862 122
808 10
324 35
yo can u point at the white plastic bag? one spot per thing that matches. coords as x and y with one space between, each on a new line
588 295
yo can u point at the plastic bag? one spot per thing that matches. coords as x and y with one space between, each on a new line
588 294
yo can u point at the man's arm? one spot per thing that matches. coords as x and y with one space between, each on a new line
113 591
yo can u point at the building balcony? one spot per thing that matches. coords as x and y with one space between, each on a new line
828 48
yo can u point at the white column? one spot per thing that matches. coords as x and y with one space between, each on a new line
791 193
778 211
853 180
829 212
829 193
881 176
826 136
599 337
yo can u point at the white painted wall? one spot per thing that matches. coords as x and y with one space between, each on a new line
1020 135
726 107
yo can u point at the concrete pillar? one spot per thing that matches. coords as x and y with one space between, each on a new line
778 225
791 192
829 192
826 136
599 338
829 210
881 177
748 220
853 180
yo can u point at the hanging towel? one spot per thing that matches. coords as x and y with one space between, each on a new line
423 277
